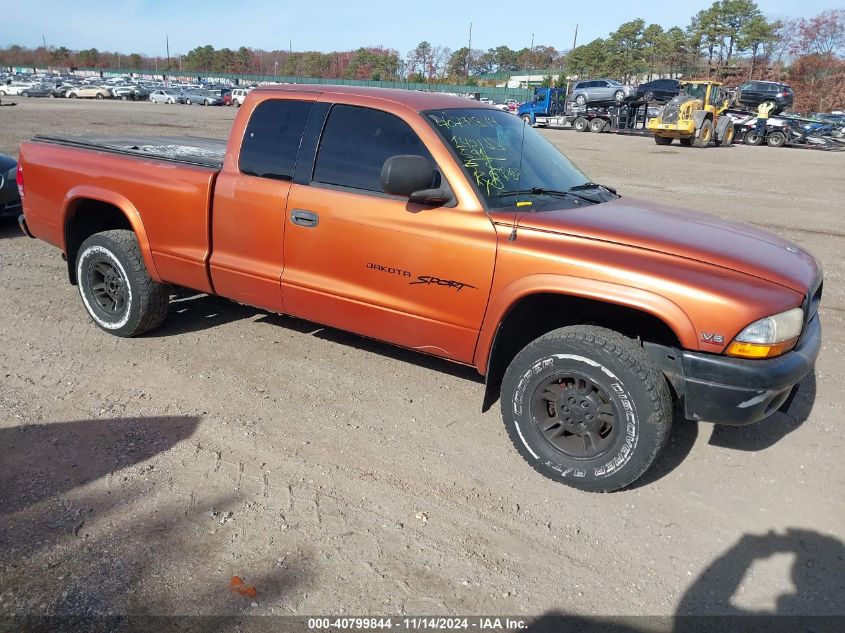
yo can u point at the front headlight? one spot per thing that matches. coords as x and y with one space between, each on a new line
768 337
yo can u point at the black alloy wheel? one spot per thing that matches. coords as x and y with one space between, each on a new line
107 286
575 415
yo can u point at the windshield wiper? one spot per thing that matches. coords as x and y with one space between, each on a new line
540 191
592 185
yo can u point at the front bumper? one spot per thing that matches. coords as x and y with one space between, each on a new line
739 391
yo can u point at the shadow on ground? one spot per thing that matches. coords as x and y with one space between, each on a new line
191 311
815 602
9 229
42 461
93 524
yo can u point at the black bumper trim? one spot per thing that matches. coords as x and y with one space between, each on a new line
24 227
740 391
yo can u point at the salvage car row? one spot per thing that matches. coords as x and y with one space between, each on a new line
121 88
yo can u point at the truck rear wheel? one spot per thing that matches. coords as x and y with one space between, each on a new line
586 406
776 139
581 124
686 141
752 138
115 286
662 140
597 125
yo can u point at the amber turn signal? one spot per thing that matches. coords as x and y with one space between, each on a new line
759 350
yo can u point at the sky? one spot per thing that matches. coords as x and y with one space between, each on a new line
129 26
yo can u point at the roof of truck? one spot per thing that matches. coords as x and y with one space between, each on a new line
419 100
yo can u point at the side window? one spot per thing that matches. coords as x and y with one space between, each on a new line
356 141
271 140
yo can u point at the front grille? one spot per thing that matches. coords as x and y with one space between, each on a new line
671 114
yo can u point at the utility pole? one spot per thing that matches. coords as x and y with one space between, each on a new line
575 39
469 49
167 44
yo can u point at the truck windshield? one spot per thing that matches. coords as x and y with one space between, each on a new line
488 144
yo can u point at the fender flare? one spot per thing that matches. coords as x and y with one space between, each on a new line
87 192
646 301
721 126
699 116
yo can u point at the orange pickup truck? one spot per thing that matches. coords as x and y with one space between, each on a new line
451 228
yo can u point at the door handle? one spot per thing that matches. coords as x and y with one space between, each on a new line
304 218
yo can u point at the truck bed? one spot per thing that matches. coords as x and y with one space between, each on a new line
190 150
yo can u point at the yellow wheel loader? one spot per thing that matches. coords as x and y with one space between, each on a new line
694 117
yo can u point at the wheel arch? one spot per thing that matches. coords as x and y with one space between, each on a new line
700 116
534 307
87 210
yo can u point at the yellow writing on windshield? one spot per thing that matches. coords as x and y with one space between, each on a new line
485 159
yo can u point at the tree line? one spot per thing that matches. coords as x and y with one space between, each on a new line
731 40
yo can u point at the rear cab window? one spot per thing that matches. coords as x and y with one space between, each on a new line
272 138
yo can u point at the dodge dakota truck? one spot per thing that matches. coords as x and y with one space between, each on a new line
454 229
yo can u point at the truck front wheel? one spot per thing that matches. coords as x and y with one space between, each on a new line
705 134
115 286
586 406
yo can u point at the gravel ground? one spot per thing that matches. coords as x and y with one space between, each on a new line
339 475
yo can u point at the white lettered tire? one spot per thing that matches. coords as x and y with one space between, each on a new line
587 407
116 288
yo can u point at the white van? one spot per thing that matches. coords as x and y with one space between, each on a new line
238 96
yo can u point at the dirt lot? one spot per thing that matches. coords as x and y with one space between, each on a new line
339 475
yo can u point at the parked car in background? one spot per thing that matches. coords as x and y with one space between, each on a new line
10 199
598 90
89 92
35 90
225 95
238 96
14 88
201 97
130 93
60 91
660 90
164 96
752 93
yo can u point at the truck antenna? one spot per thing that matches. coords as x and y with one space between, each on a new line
512 236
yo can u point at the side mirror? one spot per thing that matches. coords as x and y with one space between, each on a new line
406 174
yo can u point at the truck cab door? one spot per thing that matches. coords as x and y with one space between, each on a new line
359 259
249 210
